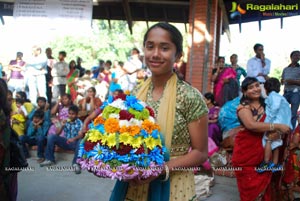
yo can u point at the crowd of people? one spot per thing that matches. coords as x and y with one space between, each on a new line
257 125
249 119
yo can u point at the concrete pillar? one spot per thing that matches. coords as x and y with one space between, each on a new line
204 36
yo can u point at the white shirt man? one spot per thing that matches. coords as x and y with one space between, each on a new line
259 66
36 68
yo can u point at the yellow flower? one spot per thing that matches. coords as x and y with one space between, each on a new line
150 142
111 125
136 142
127 92
94 136
125 138
158 142
111 140
104 139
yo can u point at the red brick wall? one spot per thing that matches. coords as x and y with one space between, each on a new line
202 43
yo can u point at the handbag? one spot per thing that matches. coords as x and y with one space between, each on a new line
17 157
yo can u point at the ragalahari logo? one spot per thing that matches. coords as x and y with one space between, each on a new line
236 10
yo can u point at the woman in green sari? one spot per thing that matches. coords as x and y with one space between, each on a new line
72 78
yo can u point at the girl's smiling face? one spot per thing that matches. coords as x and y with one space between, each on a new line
160 52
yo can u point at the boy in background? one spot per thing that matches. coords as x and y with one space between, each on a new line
36 135
59 72
70 141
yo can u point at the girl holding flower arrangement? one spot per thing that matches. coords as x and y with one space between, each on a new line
182 116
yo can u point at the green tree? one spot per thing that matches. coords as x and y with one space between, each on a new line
104 42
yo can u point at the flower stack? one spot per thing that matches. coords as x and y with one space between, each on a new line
124 142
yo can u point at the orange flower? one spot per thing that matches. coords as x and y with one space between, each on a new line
99 120
111 125
127 92
134 130
149 126
124 129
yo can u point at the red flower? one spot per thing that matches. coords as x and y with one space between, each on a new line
123 149
151 111
140 150
88 146
121 96
125 115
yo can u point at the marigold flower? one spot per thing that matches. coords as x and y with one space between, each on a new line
99 120
149 126
127 92
111 125
134 130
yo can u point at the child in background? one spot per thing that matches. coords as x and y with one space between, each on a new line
36 135
70 141
18 119
277 111
59 113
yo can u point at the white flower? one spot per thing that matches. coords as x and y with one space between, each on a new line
119 103
135 122
113 115
142 103
151 119
124 123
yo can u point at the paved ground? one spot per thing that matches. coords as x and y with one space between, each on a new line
45 184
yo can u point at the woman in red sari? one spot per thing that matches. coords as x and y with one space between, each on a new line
72 80
248 151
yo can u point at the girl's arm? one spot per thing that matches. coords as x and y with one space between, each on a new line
83 104
198 130
54 110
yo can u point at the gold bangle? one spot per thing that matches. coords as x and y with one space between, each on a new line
271 126
167 173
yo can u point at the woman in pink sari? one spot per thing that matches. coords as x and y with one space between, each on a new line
225 83
71 80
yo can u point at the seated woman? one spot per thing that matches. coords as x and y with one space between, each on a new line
214 131
229 123
88 104
225 83
59 113
18 118
27 104
96 112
